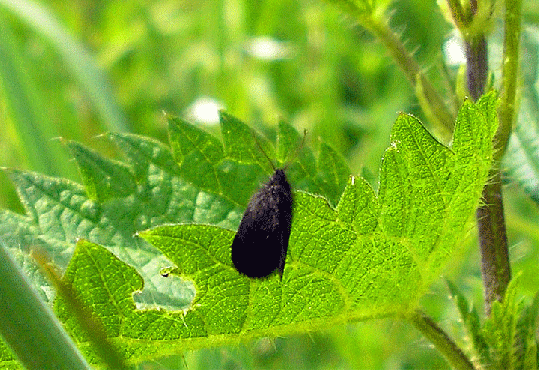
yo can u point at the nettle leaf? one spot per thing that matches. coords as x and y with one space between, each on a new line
353 254
371 256
199 181
501 327
470 320
525 339
155 186
510 331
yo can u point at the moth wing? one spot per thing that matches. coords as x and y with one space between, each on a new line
261 242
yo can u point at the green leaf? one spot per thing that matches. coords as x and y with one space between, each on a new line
510 331
359 260
500 329
525 352
470 319
358 206
287 144
60 211
331 178
102 282
196 152
103 179
141 152
371 256
240 143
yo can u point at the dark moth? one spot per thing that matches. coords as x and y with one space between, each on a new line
261 243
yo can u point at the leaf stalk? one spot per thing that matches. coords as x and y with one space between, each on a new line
377 24
441 341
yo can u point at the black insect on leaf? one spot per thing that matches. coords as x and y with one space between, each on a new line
261 243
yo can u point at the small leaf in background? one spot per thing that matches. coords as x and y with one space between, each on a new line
507 339
470 319
525 338
500 328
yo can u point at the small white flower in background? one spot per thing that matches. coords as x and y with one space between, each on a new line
204 110
267 48
454 50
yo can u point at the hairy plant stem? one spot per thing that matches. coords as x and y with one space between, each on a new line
440 340
431 101
495 268
477 66
415 76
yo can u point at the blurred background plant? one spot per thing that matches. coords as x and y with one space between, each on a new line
76 71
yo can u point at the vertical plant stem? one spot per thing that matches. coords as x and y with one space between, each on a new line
477 66
495 269
476 56
441 341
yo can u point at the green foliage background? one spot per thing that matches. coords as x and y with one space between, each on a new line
336 82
